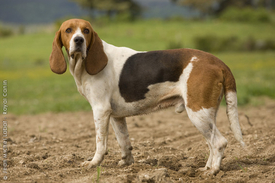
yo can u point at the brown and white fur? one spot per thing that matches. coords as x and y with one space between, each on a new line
119 82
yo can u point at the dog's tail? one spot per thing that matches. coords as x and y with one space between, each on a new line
230 94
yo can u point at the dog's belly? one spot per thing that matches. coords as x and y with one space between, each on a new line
159 96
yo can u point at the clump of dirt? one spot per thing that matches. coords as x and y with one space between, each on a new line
170 162
166 148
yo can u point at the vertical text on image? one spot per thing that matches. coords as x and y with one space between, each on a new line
5 97
5 128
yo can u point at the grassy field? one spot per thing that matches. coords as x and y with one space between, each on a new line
33 88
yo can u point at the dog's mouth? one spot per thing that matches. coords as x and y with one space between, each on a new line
77 52
78 49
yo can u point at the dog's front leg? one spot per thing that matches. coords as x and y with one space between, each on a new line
101 120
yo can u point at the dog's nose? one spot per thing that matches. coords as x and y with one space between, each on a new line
78 40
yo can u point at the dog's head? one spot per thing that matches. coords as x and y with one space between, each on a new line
80 40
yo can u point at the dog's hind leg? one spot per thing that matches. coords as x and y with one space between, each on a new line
120 127
204 120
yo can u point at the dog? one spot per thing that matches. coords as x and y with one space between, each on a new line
119 82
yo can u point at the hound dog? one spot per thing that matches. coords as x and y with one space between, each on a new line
119 82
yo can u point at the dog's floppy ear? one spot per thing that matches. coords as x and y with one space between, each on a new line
96 59
57 61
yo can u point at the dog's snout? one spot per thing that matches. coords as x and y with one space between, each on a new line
78 40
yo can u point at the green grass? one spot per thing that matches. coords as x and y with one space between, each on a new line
33 88
243 169
99 169
154 35
254 74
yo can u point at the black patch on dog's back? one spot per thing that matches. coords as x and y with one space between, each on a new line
144 69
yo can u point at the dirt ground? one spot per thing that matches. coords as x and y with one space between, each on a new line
166 147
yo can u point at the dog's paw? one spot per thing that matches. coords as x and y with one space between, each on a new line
85 163
207 172
204 169
126 161
89 164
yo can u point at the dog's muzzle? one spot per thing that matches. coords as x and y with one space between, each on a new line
79 47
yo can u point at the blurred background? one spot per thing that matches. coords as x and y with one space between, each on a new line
241 33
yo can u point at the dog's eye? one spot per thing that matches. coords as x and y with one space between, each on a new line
69 30
86 31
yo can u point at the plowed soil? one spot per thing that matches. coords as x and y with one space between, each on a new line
166 148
